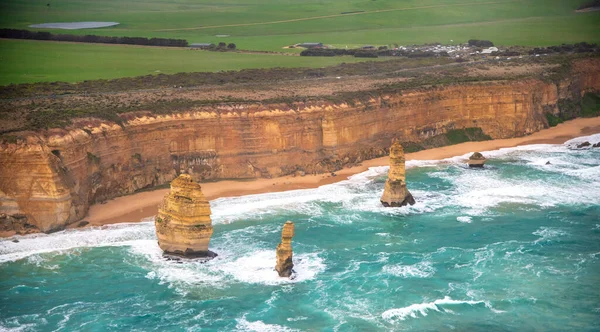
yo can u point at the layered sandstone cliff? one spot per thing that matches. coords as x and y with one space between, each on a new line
285 264
53 176
183 224
395 193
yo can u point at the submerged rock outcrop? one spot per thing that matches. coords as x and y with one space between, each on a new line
284 251
476 160
395 192
183 224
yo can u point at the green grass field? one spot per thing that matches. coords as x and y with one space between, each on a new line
271 25
25 61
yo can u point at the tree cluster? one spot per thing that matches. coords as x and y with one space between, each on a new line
42 35
226 47
589 4
480 43
359 53
566 48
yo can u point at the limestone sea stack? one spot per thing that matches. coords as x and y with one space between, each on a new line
284 251
395 192
183 224
476 160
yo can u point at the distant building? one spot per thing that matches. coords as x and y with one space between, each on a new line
201 46
311 45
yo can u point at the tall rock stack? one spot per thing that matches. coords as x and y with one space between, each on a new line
395 192
284 251
183 224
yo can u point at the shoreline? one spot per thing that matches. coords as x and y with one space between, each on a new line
134 207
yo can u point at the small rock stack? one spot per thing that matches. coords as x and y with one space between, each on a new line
395 192
476 160
284 251
183 224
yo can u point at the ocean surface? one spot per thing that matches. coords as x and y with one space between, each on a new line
511 247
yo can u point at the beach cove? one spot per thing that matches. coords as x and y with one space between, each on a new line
137 206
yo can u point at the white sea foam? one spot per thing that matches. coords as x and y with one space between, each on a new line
419 270
595 138
21 327
414 310
256 266
296 319
464 219
244 325
547 234
62 242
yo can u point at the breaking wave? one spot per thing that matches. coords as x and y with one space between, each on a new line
421 309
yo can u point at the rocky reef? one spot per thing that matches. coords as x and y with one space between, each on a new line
476 160
16 224
395 192
284 251
183 224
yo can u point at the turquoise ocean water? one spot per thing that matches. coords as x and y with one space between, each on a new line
515 246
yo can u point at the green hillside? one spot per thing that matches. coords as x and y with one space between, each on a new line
270 25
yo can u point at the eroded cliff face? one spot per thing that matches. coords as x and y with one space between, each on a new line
54 176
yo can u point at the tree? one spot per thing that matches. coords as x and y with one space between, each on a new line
231 46
222 45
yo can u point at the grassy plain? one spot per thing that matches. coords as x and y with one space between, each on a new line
26 61
270 25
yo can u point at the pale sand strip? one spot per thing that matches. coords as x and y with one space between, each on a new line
145 204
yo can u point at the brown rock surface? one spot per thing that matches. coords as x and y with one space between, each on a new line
183 224
476 160
284 251
395 193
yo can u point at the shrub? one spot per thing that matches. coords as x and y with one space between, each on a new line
456 136
40 35
93 158
553 120
480 43
590 105
231 46
327 52
412 147
568 109
589 4
366 54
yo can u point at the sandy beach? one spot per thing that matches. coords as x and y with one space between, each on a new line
134 207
